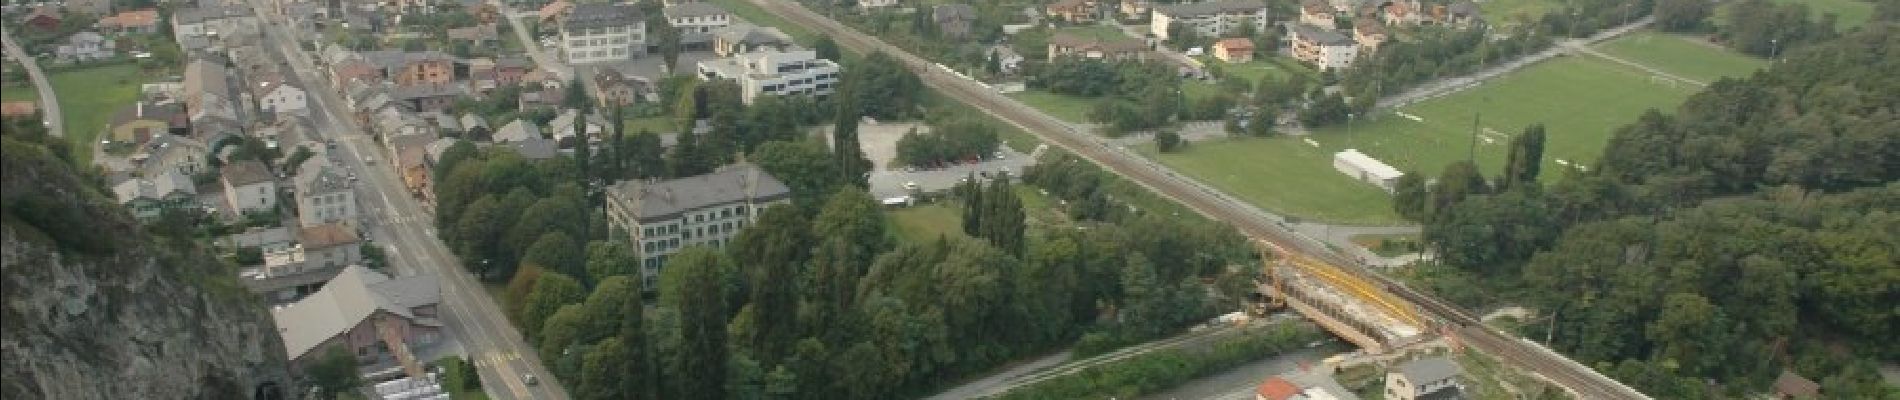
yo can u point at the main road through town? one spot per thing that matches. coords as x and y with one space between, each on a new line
397 220
1581 380
49 101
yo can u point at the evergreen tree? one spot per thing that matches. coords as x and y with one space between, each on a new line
1409 196
853 168
1526 157
694 285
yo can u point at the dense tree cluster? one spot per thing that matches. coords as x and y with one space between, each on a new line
1138 95
954 141
1769 29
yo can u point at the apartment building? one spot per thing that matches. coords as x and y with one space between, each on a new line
600 32
774 72
697 18
323 193
662 217
1324 48
1210 19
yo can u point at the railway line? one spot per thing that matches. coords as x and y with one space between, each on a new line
1580 380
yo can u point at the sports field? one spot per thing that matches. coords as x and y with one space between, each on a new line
1580 100
1682 55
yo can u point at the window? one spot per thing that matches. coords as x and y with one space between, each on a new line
619 52
726 213
728 227
577 43
698 218
739 209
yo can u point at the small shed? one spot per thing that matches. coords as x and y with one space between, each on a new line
1365 168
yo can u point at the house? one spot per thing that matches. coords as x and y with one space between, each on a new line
399 123
771 73
535 149
1403 13
519 130
140 21
278 96
329 246
563 128
611 88
600 32
482 35
509 71
19 109
474 127
1136 9
143 120
1317 13
1368 34
1217 18
84 47
433 97
1324 48
539 96
1462 14
1234 50
148 198
1064 44
368 314
412 165
1276 388
1303 384
1364 168
266 239
249 187
433 153
324 193
409 68
1073 11
746 38
696 18
661 217
1425 378
210 20
443 122
1007 61
171 153
44 18
870 4
208 91
1792 386
319 254
953 20
554 11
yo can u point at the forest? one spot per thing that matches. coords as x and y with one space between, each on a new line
1749 232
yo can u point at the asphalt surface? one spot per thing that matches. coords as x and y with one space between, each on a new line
49 101
399 222
542 59
1584 382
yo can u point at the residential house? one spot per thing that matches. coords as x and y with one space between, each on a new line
535 149
1369 35
1303 385
953 20
600 32
540 96
18 109
611 88
661 217
519 130
554 11
1792 386
44 18
510 70
870 4
443 122
481 75
1462 14
478 36
1213 19
139 21
771 73
434 151
1324 48
409 68
1064 44
346 67
208 91
430 97
249 187
562 127
1425 378
324 193
411 158
1317 13
1073 11
143 120
148 198
209 21
1234 50
84 47
364 312
390 125
1276 388
1403 13
1136 9
171 153
268 240
474 127
747 38
275 95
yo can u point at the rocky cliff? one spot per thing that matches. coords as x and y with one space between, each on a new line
97 308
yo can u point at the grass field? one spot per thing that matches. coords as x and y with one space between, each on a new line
1068 108
20 92
651 124
1681 55
87 99
928 222
1252 71
1100 32
1512 12
1580 101
1852 13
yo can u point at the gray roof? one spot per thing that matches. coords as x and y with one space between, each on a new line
750 34
538 148
1463 8
443 120
600 15
518 130
692 9
388 59
354 295
316 176
246 172
1430 369
1211 7
729 184
166 184
85 37
412 92
470 121
1321 35
201 14
948 12
440 146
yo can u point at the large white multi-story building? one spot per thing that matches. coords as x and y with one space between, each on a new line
662 217
773 72
1214 19
1324 48
600 32
323 193
697 18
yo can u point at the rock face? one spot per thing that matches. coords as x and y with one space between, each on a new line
96 308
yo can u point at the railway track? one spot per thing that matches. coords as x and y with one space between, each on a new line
1580 380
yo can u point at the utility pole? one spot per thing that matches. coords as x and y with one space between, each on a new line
1472 157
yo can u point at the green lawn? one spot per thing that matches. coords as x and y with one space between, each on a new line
1069 108
1852 13
88 98
927 222
1100 32
1512 12
651 124
19 92
1681 55
1253 71
1580 100
752 13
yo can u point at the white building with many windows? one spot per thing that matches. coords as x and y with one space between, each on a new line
697 18
773 72
1213 19
599 32
662 217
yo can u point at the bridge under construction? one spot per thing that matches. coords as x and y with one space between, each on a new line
1353 308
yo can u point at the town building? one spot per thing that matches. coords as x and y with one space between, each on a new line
953 20
1304 384
171 153
772 73
1425 378
1073 11
370 315
323 193
1214 19
1364 168
1136 9
746 38
1234 50
870 4
697 18
412 68
519 130
599 32
614 89
249 187
1064 44
278 96
1317 13
562 127
1324 48
139 21
661 217
1369 35
143 120
148 198
85 47
210 21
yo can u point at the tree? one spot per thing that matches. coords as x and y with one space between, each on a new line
603 312
695 285
852 167
610 258
805 166
1525 159
1003 221
1409 196
667 38
562 330
1326 110
772 252
1167 140
850 233
689 157
335 373
1261 122
520 286
603 370
1682 15
576 94
827 48
1459 179
646 156
557 252
551 291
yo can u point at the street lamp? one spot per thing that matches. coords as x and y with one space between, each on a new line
1774 50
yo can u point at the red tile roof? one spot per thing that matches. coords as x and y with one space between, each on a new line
1276 389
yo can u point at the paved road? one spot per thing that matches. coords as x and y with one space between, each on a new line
1584 382
1446 86
542 60
49 101
397 220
